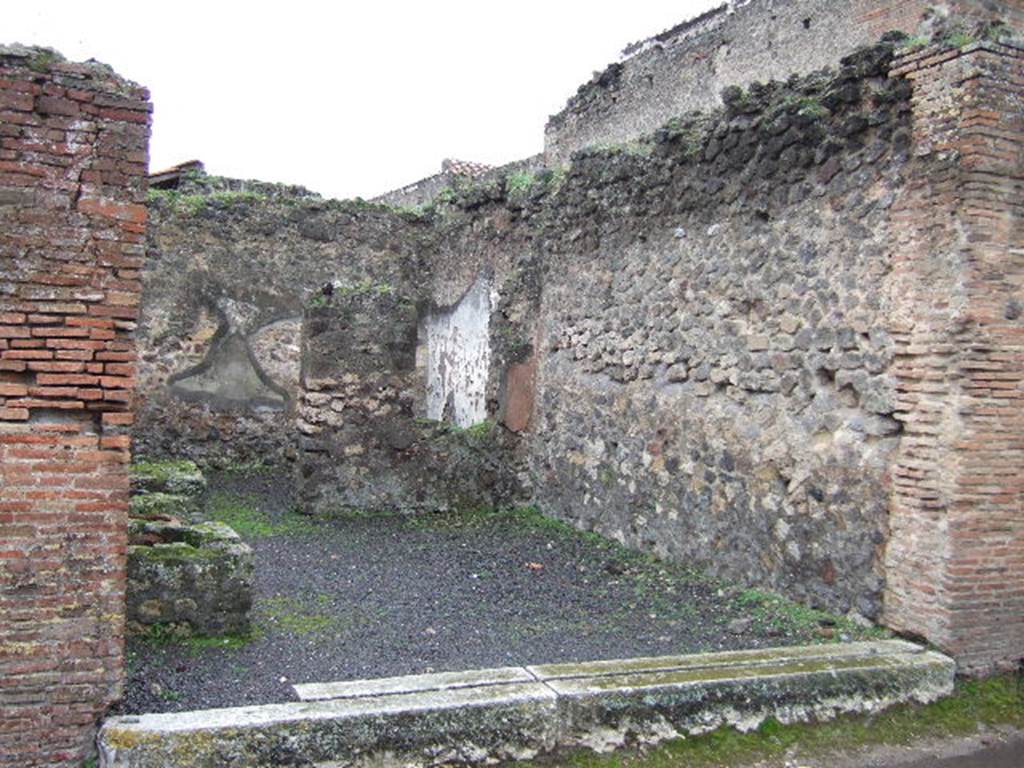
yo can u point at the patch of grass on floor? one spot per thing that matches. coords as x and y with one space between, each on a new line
991 702
520 519
655 583
241 513
771 610
296 616
224 643
169 634
355 513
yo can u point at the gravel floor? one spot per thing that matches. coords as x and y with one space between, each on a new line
377 596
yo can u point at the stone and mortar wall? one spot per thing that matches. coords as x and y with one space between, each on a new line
715 379
686 67
236 272
955 559
366 444
230 270
73 151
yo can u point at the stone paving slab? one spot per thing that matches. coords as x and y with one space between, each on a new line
474 717
437 681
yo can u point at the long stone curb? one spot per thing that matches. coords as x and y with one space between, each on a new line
516 713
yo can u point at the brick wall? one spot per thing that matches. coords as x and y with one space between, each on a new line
955 559
73 152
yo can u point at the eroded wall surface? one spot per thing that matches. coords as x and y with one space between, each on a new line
366 446
457 347
73 148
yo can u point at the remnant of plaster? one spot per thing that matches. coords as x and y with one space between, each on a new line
458 357
229 377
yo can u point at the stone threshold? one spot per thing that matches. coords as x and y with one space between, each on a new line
516 713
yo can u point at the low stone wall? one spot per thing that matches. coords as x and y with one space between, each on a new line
488 716
188 579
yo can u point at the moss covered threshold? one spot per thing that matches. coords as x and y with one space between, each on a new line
525 713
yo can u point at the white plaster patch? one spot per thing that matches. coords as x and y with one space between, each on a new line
458 358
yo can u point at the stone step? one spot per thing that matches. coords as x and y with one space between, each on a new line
438 681
516 713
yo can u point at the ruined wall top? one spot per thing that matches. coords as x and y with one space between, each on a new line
742 41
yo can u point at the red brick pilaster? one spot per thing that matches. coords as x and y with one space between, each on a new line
73 151
955 559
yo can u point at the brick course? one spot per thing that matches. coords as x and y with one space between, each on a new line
73 150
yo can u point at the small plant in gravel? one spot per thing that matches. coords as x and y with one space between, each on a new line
223 643
165 634
473 434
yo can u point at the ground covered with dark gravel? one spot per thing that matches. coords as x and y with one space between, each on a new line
374 596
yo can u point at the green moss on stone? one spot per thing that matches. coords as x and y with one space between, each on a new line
150 505
164 470
128 738
173 552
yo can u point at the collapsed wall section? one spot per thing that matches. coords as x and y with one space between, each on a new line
73 150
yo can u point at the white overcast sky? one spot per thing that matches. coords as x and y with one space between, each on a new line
348 99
